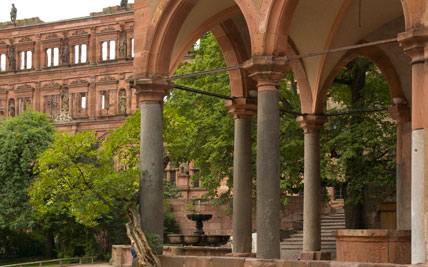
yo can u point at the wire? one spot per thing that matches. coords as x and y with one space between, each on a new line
193 90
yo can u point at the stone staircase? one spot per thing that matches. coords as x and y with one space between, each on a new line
291 246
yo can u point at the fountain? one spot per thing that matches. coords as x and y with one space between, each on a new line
199 238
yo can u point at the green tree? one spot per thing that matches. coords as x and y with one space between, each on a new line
21 139
93 182
359 148
198 127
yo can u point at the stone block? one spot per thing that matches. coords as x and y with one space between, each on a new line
227 262
171 261
315 255
292 263
250 262
196 262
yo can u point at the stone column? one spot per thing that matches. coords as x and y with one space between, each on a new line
92 47
242 110
414 43
151 93
312 126
267 71
401 114
38 53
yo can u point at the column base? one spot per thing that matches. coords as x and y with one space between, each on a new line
315 256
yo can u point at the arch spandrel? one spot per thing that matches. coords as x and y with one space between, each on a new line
160 29
375 55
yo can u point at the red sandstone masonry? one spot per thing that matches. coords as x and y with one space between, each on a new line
198 261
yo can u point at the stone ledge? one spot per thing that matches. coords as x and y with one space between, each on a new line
200 261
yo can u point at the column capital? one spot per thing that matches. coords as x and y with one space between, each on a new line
312 123
414 42
266 70
152 90
242 107
400 113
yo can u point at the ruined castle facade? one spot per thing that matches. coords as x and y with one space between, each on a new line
73 70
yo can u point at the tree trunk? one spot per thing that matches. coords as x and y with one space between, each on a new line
354 212
50 244
146 257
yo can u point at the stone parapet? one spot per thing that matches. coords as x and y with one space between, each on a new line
378 246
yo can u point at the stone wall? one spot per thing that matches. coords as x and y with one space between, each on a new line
221 222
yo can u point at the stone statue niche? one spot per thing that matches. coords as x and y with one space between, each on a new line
123 46
63 115
12 59
65 56
11 108
13 13
122 101
64 99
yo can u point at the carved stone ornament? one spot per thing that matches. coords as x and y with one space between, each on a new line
63 116
79 32
64 99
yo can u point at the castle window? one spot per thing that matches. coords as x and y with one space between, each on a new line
56 56
3 62
29 60
83 101
84 53
112 49
52 57
26 60
22 60
76 54
108 50
104 50
80 53
173 177
196 181
132 47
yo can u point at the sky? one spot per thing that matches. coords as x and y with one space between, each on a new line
52 10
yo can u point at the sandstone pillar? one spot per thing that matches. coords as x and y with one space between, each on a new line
415 45
92 48
401 114
151 93
312 126
243 110
267 71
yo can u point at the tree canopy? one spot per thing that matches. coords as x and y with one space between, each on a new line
22 138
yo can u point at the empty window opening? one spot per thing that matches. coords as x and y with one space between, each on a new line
76 54
83 101
132 47
56 56
112 49
84 51
22 60
49 57
104 50
3 62
103 101
29 60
